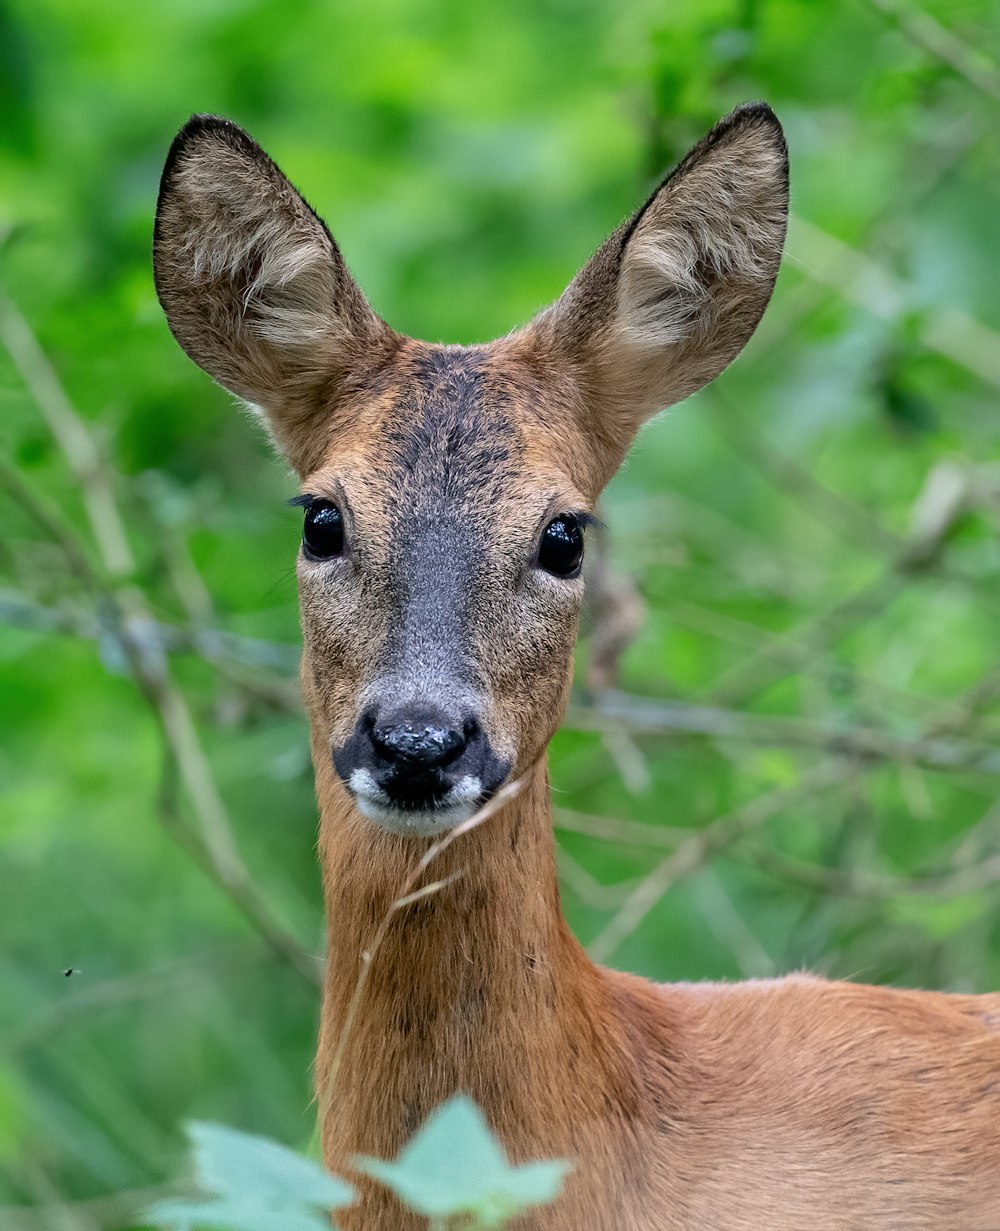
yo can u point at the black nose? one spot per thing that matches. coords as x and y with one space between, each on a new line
417 758
420 741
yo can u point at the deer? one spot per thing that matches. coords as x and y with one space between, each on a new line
446 493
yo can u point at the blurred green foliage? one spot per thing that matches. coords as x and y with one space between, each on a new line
453 1172
814 537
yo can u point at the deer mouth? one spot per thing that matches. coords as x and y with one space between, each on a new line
417 809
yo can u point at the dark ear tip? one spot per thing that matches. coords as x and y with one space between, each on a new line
754 115
756 110
751 118
199 125
206 122
201 129
204 126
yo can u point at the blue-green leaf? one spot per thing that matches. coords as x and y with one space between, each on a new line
229 1161
454 1165
236 1214
257 1184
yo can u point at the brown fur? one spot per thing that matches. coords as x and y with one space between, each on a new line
772 1105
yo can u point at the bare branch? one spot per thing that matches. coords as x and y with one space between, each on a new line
947 331
611 829
856 883
644 716
72 436
588 888
214 645
932 165
731 929
127 618
918 553
827 507
924 30
121 1209
170 979
615 610
693 853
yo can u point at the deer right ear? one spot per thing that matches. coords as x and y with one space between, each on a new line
675 293
253 285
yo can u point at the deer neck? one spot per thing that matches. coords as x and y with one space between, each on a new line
478 986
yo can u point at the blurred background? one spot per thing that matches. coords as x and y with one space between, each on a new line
783 749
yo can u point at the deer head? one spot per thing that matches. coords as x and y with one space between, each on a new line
446 490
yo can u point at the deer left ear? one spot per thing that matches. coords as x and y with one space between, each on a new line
672 297
254 286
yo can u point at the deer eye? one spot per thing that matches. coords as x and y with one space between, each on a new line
323 531
561 549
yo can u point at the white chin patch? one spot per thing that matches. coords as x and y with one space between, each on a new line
457 806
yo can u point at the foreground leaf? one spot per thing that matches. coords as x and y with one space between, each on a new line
237 1214
257 1184
454 1165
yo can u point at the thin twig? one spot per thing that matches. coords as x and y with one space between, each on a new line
795 656
217 646
404 895
127 616
826 506
611 829
118 1209
171 979
793 650
932 165
927 32
918 553
54 525
588 888
948 331
642 715
693 852
724 920
844 882
232 877
72 436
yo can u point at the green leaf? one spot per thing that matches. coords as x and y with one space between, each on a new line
454 1165
259 1186
229 1161
237 1214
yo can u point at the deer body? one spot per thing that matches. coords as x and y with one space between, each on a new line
766 1106
445 493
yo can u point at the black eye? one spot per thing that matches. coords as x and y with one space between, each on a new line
561 549
323 532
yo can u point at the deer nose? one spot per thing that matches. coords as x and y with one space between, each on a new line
422 741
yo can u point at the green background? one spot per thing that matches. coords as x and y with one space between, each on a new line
813 538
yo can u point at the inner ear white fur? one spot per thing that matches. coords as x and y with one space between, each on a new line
659 294
281 267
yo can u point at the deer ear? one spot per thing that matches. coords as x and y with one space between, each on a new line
253 285
675 293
